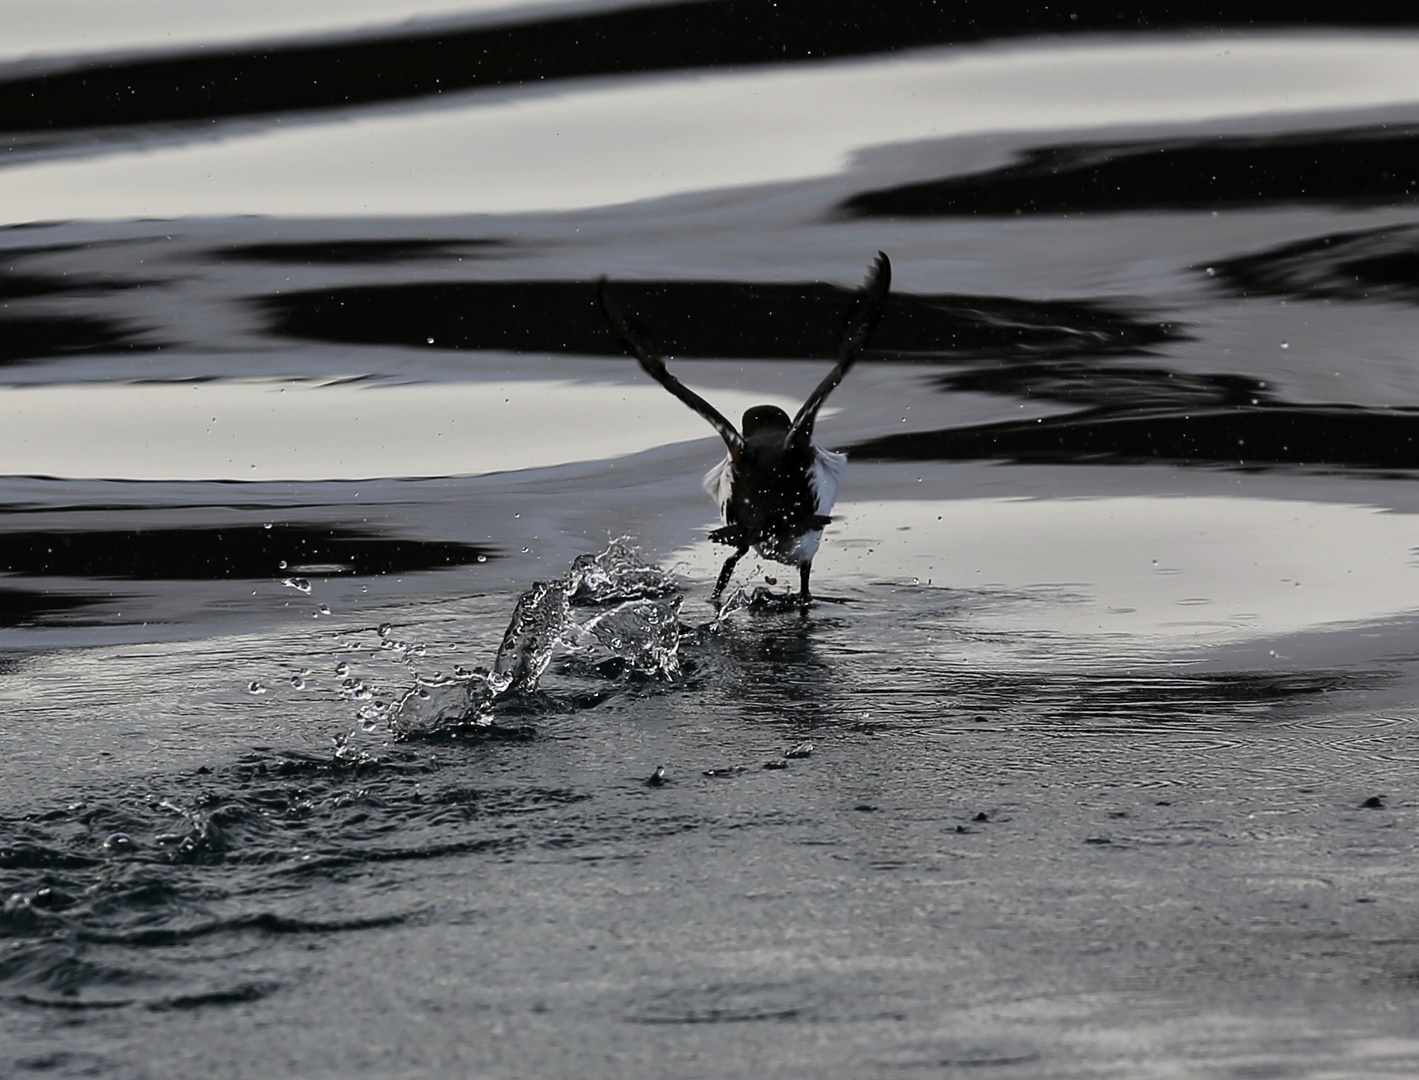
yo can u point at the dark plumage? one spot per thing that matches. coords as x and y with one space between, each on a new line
775 485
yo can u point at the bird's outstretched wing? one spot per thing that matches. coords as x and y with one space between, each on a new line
654 366
871 299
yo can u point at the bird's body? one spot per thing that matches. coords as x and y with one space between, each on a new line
777 496
776 485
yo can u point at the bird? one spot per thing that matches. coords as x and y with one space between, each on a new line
776 485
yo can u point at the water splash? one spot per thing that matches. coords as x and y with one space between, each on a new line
757 598
618 573
430 707
540 619
643 630
645 633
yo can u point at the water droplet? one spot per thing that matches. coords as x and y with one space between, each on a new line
300 584
119 842
482 558
1211 271
297 683
1285 344
266 525
385 629
255 687
324 610
342 668
430 340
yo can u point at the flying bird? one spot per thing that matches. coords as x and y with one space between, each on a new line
775 485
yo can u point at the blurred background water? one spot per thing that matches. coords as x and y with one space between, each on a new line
1093 761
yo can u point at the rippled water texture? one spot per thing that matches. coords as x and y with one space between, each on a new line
363 711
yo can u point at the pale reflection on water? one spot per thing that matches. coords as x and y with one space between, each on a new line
605 141
35 28
1074 580
257 430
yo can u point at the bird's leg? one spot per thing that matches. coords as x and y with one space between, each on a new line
725 574
804 596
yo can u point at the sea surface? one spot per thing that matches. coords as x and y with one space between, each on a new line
362 710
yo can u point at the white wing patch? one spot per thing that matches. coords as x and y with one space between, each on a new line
826 474
719 483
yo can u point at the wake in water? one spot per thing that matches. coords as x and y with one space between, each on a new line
641 630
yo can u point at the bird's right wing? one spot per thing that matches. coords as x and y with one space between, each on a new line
654 366
871 299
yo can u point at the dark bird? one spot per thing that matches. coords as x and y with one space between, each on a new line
775 485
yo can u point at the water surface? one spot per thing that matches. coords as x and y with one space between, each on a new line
1094 758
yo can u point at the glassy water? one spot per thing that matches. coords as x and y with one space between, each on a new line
364 711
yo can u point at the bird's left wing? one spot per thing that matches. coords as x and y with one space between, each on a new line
654 366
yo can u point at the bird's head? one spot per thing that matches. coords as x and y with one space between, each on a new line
765 420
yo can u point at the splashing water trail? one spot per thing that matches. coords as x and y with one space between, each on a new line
618 573
538 622
427 708
646 633
643 630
